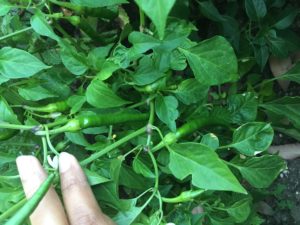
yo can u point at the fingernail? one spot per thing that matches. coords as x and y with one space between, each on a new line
26 165
65 161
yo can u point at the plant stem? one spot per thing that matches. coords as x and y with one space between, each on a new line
142 20
111 147
12 210
15 33
16 126
32 203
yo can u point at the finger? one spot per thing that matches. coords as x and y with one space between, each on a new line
50 210
80 203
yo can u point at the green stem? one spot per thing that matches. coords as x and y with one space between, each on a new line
16 126
32 203
142 20
15 33
12 210
111 147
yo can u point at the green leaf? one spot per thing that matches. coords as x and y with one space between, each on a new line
191 91
210 140
255 9
260 172
77 138
292 75
286 18
76 102
157 11
252 138
16 63
243 107
99 95
94 178
41 26
74 61
211 65
140 167
98 3
240 210
207 169
146 72
208 9
35 93
166 110
5 7
288 107
141 42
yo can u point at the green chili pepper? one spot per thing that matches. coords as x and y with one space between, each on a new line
6 134
50 108
185 196
189 128
82 122
32 203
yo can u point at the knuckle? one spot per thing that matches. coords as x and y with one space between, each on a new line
71 183
86 219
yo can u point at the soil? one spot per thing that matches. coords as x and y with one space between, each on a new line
285 201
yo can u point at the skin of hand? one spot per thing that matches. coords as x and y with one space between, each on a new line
80 206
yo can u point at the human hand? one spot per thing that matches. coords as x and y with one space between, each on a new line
80 204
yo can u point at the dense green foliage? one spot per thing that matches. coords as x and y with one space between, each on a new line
170 105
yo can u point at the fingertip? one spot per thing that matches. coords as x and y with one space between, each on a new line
66 161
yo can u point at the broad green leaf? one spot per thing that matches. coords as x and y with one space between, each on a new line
243 107
166 110
127 217
252 138
140 167
288 107
141 42
77 138
74 61
16 63
35 93
261 171
3 79
98 3
157 11
5 7
146 72
207 169
97 56
255 9
6 113
261 53
99 95
76 102
210 140
107 70
240 210
211 65
41 26
6 158
94 178
208 9
292 75
294 133
191 91
286 18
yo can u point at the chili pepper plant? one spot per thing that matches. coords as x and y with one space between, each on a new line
169 106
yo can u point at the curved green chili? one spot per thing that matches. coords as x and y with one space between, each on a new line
82 122
32 203
185 196
50 108
189 128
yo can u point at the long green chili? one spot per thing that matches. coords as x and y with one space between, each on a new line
32 203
